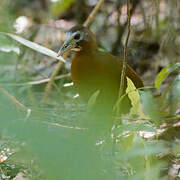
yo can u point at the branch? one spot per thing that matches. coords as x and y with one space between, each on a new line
52 78
16 102
64 126
91 17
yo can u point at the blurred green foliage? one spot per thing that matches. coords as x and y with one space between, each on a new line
165 73
56 143
6 17
60 7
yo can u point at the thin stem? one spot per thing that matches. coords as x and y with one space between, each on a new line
52 78
42 81
121 89
16 102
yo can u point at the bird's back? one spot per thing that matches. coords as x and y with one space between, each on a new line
97 70
113 63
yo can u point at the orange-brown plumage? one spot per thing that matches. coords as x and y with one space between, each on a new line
93 70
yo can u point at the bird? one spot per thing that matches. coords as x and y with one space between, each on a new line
95 70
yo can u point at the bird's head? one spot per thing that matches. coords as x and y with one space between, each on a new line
78 38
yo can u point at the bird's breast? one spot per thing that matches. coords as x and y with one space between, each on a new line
89 74
84 72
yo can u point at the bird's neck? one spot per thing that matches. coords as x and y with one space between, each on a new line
88 47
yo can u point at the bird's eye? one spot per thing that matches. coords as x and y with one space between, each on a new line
77 36
65 46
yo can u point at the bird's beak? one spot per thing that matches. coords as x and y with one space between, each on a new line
68 44
64 48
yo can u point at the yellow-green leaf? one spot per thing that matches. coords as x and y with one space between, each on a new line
134 96
164 73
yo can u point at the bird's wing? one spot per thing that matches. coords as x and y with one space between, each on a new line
114 64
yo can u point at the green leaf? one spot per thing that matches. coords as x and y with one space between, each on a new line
134 96
133 127
35 46
176 88
174 95
92 100
176 148
139 151
150 107
165 73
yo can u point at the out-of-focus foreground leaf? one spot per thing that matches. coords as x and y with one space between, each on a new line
34 46
150 107
92 100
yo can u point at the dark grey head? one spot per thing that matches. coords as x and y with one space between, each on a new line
75 38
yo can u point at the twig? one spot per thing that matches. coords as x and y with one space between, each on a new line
123 73
16 102
64 126
52 78
58 67
143 15
91 17
121 89
36 82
